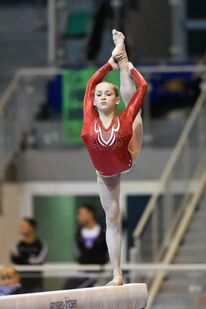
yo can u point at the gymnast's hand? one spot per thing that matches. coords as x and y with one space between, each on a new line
113 63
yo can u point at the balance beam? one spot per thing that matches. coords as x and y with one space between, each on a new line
128 296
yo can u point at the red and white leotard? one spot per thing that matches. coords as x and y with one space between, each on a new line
108 148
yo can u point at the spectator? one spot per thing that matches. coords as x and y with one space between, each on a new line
10 282
29 250
91 243
103 10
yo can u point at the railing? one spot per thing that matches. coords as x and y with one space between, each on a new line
18 107
164 209
178 236
190 288
61 269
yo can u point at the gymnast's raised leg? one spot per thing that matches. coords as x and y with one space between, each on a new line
127 89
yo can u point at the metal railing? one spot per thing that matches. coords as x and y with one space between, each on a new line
191 286
177 237
18 107
183 170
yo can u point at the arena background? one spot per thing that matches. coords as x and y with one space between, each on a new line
45 170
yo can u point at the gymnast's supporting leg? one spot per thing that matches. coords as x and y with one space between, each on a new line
109 191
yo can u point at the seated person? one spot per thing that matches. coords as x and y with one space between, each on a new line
29 250
10 282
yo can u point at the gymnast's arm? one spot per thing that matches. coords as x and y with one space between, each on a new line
89 93
137 99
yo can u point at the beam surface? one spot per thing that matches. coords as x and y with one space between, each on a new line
128 296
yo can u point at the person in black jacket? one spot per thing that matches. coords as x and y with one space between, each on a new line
91 243
103 10
29 250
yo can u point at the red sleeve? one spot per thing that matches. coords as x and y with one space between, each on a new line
136 101
89 93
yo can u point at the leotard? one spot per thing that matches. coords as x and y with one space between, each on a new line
108 147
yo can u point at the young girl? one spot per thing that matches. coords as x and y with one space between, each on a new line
113 141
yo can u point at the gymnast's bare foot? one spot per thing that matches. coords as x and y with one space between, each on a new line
118 37
117 280
119 52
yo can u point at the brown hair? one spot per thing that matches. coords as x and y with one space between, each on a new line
9 271
116 90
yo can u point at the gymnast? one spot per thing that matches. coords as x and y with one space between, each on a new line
113 141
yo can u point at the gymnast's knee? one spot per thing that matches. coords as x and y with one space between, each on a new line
112 217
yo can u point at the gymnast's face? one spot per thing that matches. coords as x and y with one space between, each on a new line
105 97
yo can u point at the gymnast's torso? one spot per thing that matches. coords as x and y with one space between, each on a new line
108 147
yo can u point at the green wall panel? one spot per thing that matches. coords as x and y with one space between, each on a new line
57 225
